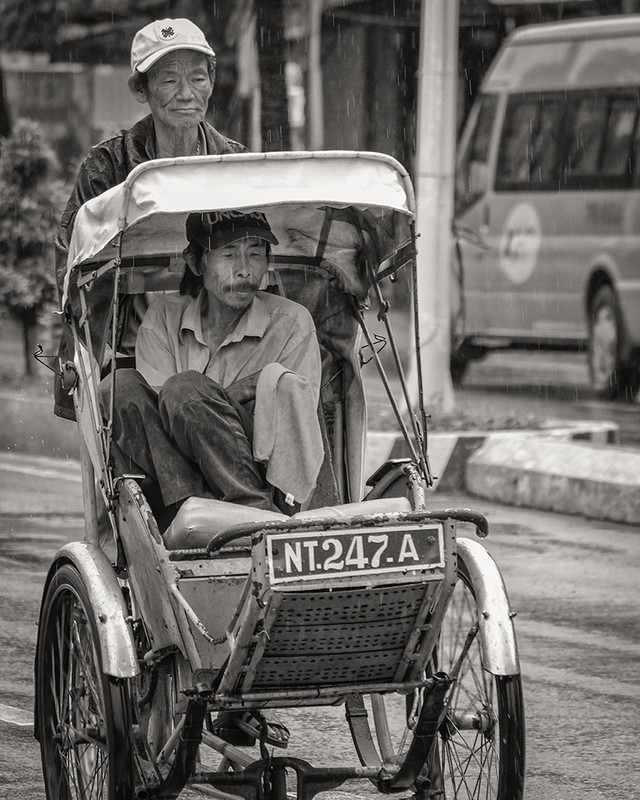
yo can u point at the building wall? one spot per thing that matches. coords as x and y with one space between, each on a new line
370 63
343 79
77 105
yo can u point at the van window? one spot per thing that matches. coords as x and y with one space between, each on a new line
621 124
600 128
568 140
529 146
472 180
586 136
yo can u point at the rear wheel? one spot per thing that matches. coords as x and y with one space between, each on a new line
83 714
614 374
479 747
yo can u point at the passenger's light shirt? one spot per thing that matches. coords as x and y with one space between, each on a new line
273 329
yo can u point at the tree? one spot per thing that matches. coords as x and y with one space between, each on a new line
31 200
272 57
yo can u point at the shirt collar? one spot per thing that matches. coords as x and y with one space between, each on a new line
254 322
192 319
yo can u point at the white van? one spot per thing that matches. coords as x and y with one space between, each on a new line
548 200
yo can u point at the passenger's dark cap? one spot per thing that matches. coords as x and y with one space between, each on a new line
218 228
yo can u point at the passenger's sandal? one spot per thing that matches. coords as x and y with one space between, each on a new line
250 722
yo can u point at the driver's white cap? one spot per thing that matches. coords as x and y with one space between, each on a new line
164 36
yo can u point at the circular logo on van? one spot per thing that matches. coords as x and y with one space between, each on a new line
520 243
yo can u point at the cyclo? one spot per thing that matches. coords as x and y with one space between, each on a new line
365 598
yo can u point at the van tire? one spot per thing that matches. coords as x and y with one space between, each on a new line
461 356
613 372
458 366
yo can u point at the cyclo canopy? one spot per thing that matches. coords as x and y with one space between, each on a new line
343 220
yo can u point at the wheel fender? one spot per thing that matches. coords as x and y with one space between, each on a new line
494 612
117 647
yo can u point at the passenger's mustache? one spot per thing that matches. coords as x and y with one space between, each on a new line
243 286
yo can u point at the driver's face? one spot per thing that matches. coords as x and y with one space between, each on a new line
179 88
232 274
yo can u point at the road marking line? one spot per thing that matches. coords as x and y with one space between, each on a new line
16 716
38 472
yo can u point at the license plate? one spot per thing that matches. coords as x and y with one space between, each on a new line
371 551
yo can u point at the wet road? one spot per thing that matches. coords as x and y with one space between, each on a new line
507 384
546 384
573 582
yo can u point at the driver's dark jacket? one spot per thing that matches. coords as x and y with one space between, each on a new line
107 165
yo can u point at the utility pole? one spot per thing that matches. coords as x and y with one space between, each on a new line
435 165
314 110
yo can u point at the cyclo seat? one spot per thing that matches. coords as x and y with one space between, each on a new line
199 518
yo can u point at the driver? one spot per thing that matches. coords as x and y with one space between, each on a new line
172 72
223 400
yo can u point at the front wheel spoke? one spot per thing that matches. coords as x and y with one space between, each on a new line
478 681
480 756
461 766
455 771
467 698
87 671
99 774
464 652
69 768
90 764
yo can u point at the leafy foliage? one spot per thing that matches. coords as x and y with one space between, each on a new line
94 31
31 200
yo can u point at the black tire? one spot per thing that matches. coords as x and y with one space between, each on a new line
458 365
83 720
480 746
614 373
487 761
461 357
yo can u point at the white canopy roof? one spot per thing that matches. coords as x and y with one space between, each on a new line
150 207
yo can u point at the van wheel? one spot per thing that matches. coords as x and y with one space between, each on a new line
613 373
458 365
461 356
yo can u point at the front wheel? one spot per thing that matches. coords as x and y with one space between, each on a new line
614 374
83 714
479 750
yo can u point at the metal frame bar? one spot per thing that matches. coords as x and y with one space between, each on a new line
219 540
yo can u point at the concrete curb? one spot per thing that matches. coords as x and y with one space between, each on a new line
573 477
573 468
449 453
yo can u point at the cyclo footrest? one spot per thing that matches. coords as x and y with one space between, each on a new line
267 779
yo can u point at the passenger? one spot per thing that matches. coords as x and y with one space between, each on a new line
226 376
173 72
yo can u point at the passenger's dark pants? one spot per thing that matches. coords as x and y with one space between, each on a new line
190 438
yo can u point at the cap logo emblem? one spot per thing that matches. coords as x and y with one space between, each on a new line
216 217
167 33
